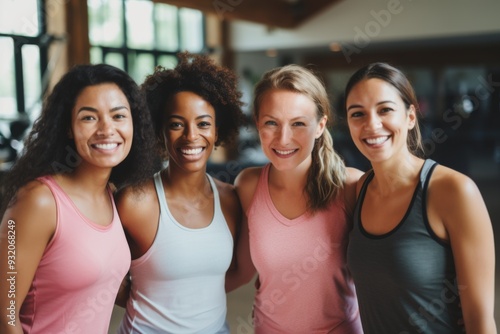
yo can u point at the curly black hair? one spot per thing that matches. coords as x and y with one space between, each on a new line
198 74
48 149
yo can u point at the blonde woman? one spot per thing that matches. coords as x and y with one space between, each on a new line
297 211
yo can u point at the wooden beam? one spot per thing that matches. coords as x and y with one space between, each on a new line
273 13
77 26
428 56
305 10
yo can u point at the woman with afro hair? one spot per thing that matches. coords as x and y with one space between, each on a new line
63 250
181 224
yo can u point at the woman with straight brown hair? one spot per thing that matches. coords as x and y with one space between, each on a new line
421 250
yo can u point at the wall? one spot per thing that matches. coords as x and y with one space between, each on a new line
380 20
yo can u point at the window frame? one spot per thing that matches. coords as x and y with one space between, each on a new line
125 51
42 40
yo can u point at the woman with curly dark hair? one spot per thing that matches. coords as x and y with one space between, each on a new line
62 246
181 225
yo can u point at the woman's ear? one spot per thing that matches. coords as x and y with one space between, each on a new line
321 126
70 133
412 117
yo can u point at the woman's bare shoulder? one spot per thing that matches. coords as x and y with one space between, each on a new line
35 195
353 175
451 183
227 191
135 204
246 183
34 209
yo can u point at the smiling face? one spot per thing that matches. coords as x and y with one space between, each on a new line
288 126
190 131
378 120
101 125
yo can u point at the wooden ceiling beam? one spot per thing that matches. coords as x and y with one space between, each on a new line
273 13
429 56
306 9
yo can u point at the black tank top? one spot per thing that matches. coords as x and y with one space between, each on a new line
405 279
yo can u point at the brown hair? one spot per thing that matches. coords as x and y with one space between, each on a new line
398 80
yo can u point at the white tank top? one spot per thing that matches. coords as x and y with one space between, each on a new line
178 284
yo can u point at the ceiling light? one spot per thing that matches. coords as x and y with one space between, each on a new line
271 53
335 47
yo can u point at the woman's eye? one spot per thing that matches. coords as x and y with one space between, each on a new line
88 118
356 114
386 110
175 125
204 124
119 116
299 124
270 123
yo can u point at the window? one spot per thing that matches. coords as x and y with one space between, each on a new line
137 35
24 43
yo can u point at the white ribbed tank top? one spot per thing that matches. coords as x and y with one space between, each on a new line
178 284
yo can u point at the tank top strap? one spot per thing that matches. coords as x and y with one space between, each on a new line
426 172
160 193
264 177
262 188
61 198
215 191
218 214
56 190
362 192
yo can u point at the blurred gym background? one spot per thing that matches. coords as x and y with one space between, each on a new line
450 50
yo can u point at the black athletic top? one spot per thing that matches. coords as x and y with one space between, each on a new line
405 279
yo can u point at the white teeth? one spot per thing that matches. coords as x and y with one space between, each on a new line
192 151
376 141
284 152
109 146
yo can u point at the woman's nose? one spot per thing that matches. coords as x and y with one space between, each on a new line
105 127
191 132
373 121
284 134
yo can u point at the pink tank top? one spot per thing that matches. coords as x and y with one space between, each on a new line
76 282
305 286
